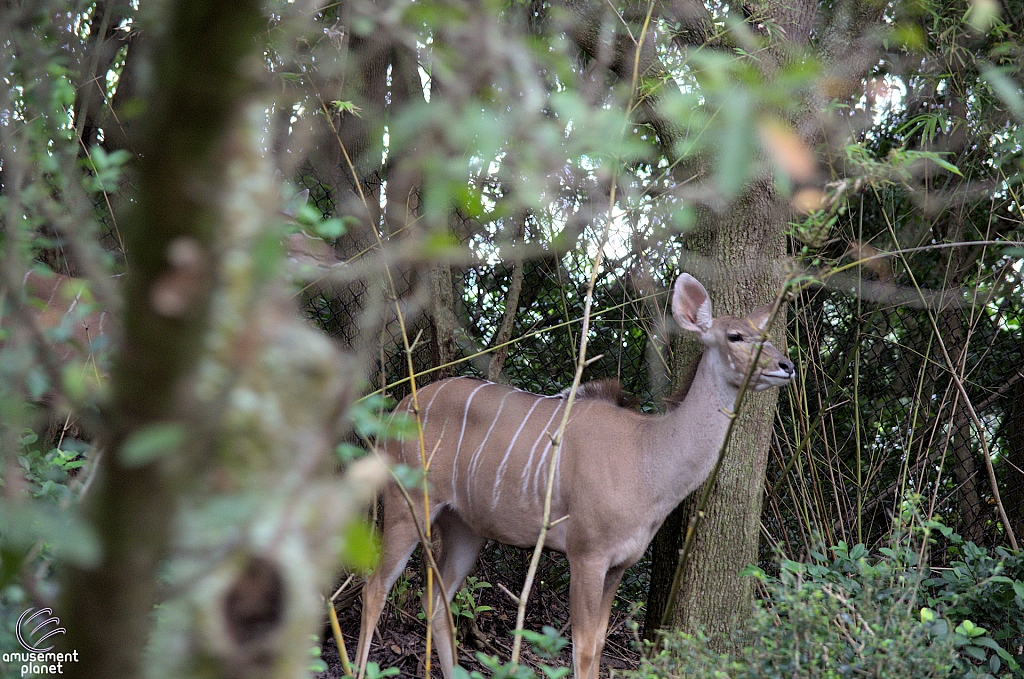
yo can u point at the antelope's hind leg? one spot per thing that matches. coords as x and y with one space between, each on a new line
398 538
460 547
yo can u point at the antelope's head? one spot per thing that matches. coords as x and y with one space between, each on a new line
734 340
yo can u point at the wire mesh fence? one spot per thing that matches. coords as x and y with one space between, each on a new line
902 401
910 371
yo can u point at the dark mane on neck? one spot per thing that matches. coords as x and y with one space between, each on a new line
685 382
609 389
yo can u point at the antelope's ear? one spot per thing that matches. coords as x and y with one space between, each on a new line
691 306
759 317
291 210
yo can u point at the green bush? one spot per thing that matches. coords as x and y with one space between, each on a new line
988 591
855 614
814 626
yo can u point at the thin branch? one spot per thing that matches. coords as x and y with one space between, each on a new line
986 453
556 442
424 531
338 638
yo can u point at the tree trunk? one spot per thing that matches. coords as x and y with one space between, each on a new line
967 471
93 62
444 321
742 245
740 273
515 286
109 605
216 495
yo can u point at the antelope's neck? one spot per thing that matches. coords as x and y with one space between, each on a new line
684 443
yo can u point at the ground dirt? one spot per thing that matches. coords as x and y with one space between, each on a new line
401 633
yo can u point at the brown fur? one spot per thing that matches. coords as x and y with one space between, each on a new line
608 389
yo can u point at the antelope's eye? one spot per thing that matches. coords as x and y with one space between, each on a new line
734 337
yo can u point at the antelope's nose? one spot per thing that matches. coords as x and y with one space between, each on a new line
786 366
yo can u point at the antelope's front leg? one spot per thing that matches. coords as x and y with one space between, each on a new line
587 578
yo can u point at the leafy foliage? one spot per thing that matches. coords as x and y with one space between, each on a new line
495 143
849 612
547 643
986 591
465 604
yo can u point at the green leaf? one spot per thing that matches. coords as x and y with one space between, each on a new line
548 643
307 214
151 443
792 566
1005 89
373 671
369 420
737 143
330 229
74 380
987 642
22 524
970 630
751 571
348 453
1009 659
38 383
441 244
346 107
359 546
946 165
407 476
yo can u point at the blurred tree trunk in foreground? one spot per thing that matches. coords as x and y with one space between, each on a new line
225 403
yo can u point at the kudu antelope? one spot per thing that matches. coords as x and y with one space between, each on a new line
58 300
63 311
618 475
